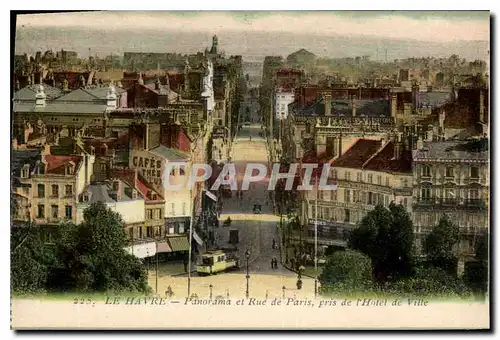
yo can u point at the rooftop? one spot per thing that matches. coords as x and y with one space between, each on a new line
28 93
384 160
361 150
104 192
61 107
454 150
169 154
55 164
88 94
343 107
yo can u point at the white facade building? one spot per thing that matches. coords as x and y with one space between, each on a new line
282 99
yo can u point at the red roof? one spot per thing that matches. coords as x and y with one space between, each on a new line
144 188
384 160
55 164
358 153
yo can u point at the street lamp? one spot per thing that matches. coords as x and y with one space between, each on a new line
247 256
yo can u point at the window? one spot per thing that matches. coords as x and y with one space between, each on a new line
183 208
405 202
55 190
370 198
449 171
449 193
334 174
426 194
359 177
131 233
69 211
333 194
355 196
55 211
347 195
370 178
69 190
181 228
474 194
474 172
172 207
182 172
387 181
347 215
149 232
41 190
347 176
41 211
379 180
426 171
405 182
140 232
149 214
25 171
172 172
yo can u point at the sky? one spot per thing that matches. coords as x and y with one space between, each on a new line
435 26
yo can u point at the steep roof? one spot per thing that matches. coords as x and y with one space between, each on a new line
384 160
55 164
88 94
28 93
357 154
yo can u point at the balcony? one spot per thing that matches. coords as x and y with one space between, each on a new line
451 202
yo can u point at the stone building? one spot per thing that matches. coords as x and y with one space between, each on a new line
370 172
49 187
452 178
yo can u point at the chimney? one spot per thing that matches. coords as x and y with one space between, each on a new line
398 146
117 188
394 104
157 84
354 106
414 96
111 98
420 143
40 97
327 98
65 85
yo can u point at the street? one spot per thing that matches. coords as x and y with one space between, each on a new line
256 234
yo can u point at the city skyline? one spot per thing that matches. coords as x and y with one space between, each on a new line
255 34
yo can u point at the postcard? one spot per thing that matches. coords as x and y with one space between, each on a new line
250 170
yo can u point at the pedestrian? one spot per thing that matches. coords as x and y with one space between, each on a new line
274 243
272 263
292 262
185 262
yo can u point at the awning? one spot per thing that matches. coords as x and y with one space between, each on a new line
197 238
163 247
179 243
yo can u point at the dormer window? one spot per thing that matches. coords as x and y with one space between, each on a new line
86 197
155 197
41 168
70 168
25 171
116 185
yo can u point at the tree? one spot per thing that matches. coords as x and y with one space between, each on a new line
476 273
430 282
386 236
91 255
439 244
348 270
30 260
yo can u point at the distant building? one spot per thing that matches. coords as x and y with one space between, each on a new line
301 57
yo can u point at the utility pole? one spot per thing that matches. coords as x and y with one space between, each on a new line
156 266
